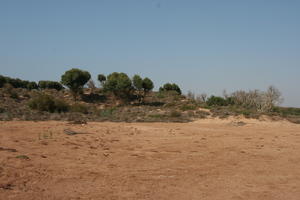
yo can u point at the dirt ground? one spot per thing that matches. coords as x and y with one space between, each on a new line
208 159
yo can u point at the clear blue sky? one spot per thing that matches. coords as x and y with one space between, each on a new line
204 46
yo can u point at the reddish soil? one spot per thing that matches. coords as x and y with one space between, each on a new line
208 159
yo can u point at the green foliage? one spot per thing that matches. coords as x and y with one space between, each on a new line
2 81
119 84
75 79
186 107
24 157
17 83
107 112
102 78
10 91
137 82
216 101
175 113
147 84
2 110
43 102
32 86
170 87
142 86
79 108
287 111
50 85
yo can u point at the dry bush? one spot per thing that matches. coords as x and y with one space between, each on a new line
260 100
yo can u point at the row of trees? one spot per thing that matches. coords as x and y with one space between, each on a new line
30 85
75 79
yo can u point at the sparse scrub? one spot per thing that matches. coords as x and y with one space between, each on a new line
79 108
186 107
175 113
106 113
43 102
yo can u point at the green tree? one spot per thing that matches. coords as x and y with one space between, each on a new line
75 79
142 86
2 81
147 86
137 82
216 101
170 87
32 85
102 79
119 84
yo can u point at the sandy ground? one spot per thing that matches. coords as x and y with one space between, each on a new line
207 159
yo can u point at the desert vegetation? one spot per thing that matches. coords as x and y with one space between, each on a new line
124 98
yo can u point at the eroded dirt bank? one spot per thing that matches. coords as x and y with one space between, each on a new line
207 159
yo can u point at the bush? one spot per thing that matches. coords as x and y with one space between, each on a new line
2 110
2 81
216 101
80 108
287 111
32 86
175 113
47 103
50 85
188 107
170 87
107 112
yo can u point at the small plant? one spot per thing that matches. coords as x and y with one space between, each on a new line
45 135
175 113
188 107
24 157
79 108
107 112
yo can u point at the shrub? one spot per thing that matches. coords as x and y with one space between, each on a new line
75 79
80 108
2 81
188 107
175 113
10 91
32 86
47 103
50 85
2 110
216 101
107 112
170 87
